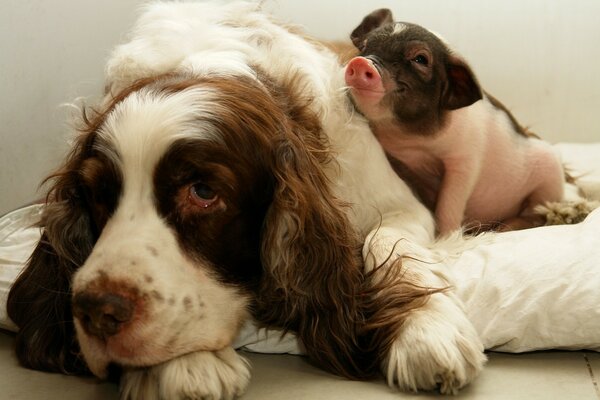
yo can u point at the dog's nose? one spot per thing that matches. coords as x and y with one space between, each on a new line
104 314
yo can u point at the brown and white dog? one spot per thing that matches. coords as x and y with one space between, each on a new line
225 177
469 158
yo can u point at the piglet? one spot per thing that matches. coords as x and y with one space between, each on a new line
472 160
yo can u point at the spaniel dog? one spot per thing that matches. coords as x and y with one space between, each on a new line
225 177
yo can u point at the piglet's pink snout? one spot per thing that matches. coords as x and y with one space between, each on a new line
361 74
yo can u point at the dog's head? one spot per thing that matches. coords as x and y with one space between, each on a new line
186 205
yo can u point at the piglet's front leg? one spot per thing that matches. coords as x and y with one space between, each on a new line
460 177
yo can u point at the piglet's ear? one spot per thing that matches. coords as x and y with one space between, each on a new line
372 21
463 88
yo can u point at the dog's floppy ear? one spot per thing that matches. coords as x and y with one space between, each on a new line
39 302
462 89
313 261
372 21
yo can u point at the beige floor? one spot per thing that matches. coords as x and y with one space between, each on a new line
544 376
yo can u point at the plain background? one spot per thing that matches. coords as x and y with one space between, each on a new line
540 58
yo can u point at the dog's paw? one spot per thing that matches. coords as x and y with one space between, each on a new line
218 375
566 212
437 348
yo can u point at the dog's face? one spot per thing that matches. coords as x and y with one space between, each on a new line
186 205
406 73
177 185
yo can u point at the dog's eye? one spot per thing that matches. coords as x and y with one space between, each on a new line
202 195
421 59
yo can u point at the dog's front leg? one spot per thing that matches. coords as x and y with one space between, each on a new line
427 341
221 374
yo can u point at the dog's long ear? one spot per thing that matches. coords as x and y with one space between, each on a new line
462 89
372 21
39 302
312 260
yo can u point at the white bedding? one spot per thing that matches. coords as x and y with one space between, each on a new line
524 290
17 240
535 290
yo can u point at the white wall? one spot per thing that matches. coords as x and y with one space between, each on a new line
51 51
541 58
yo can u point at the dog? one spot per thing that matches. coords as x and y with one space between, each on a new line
225 176
470 160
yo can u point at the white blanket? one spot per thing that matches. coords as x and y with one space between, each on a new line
18 238
524 290
532 290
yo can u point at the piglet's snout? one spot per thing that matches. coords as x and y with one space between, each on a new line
102 314
361 74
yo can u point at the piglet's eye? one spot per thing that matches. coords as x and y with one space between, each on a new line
421 59
202 195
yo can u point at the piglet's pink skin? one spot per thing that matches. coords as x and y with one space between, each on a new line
483 178
480 169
